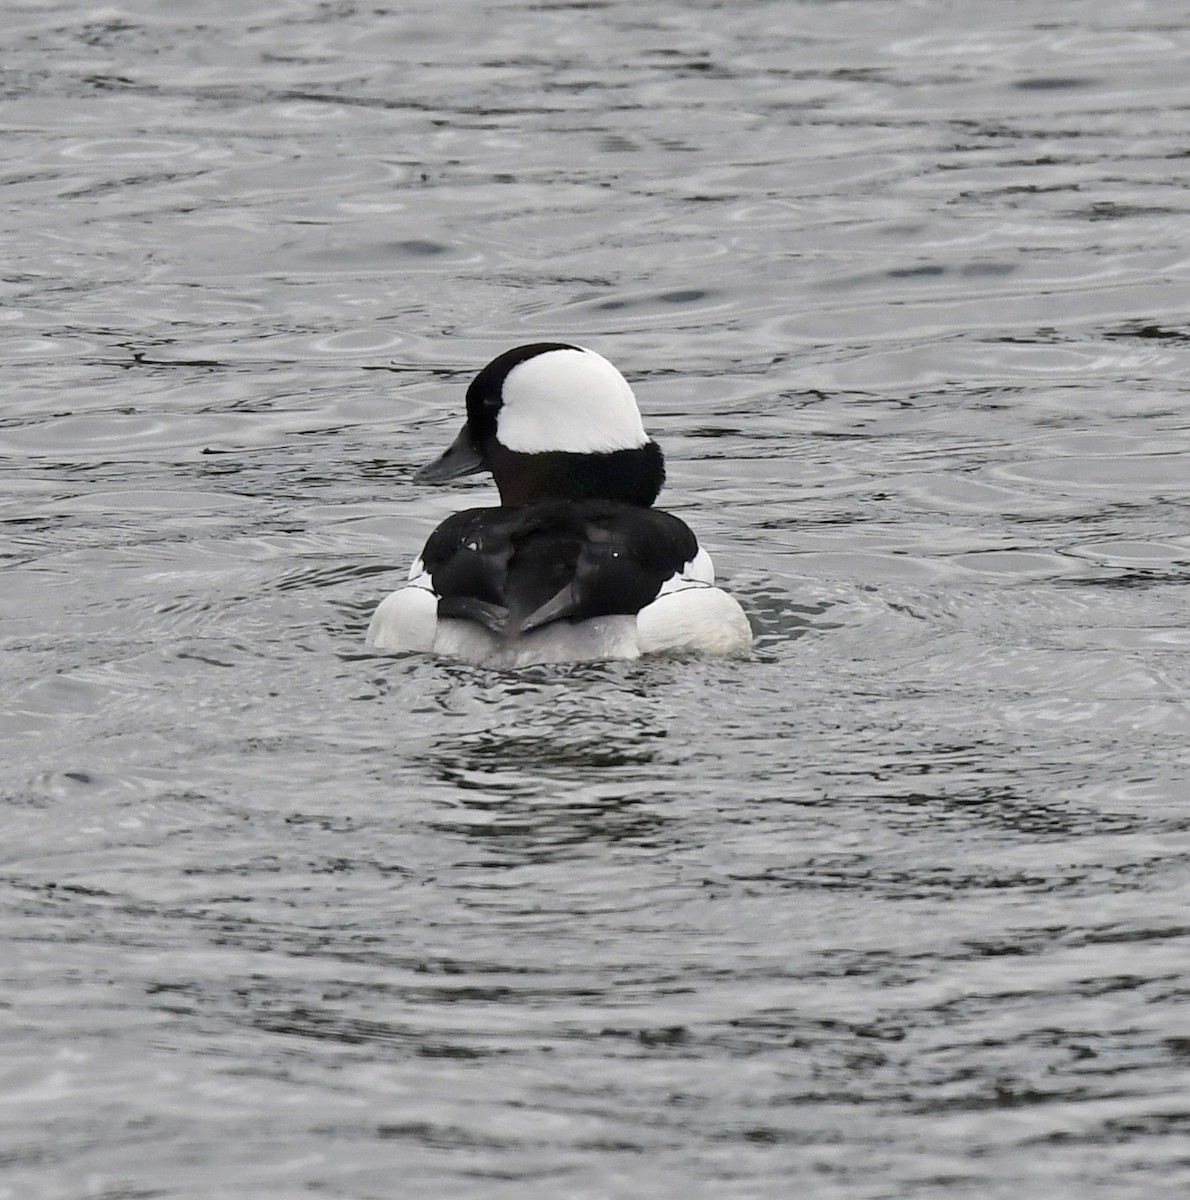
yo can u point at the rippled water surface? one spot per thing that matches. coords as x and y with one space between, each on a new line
898 908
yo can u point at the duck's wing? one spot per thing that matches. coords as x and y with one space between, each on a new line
623 556
517 569
467 560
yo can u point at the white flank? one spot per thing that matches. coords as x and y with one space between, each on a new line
570 400
698 572
696 620
407 618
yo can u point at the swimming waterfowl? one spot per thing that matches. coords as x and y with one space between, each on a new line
574 564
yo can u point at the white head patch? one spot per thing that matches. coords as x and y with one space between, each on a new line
570 400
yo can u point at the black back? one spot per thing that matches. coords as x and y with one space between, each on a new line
514 569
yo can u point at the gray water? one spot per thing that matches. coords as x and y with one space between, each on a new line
897 909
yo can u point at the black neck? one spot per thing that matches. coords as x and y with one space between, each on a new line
629 476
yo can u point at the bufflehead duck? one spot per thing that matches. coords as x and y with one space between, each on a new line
574 565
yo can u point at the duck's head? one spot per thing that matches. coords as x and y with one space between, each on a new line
554 421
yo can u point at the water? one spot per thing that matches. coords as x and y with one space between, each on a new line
896 909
